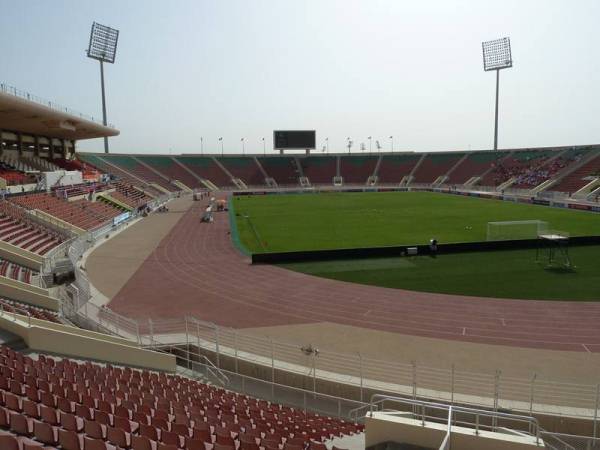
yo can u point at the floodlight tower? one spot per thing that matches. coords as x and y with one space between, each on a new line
103 47
496 56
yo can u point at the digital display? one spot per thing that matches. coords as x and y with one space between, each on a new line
294 139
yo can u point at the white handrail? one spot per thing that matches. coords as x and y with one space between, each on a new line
450 385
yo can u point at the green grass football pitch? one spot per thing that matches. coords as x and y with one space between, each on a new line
297 222
502 274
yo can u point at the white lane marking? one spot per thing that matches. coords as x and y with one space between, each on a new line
586 349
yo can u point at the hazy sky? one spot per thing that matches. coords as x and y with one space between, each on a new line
411 69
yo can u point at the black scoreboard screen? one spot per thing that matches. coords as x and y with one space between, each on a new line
294 139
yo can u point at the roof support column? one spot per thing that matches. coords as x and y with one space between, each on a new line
20 144
36 145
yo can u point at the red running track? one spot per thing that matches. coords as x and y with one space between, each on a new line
196 271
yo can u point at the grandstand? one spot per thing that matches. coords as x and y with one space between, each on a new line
66 403
206 168
282 169
246 169
521 170
357 169
126 323
173 171
320 170
80 213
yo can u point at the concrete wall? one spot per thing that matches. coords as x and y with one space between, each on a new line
20 256
383 427
27 293
57 222
43 336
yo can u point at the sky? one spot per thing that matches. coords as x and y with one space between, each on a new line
345 68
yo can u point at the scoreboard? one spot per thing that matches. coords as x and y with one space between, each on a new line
294 140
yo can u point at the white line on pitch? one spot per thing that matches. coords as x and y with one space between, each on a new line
586 349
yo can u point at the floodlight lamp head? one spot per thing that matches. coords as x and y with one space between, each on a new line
497 54
103 43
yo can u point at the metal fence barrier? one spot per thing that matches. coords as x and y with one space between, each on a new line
494 391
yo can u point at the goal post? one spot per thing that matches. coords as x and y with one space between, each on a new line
516 229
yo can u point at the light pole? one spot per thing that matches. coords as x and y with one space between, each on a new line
392 143
201 145
327 144
370 144
243 147
264 147
221 141
103 48
496 56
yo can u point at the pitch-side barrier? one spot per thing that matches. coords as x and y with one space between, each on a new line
363 375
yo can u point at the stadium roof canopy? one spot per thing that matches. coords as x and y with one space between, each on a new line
24 113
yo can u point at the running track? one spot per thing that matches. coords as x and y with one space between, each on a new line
195 270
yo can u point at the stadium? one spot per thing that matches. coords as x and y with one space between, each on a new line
294 298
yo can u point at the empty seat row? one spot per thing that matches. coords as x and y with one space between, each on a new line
81 213
67 404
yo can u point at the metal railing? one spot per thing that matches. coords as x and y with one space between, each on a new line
476 419
487 390
47 103
496 391
561 441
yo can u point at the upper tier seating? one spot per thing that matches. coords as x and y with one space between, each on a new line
81 213
130 165
69 404
576 180
475 165
68 164
169 168
394 167
282 169
245 169
89 172
206 167
24 309
16 229
319 169
357 169
16 271
435 165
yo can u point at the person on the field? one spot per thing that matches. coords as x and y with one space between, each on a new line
433 247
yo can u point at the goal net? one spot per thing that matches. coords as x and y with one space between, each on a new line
516 229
